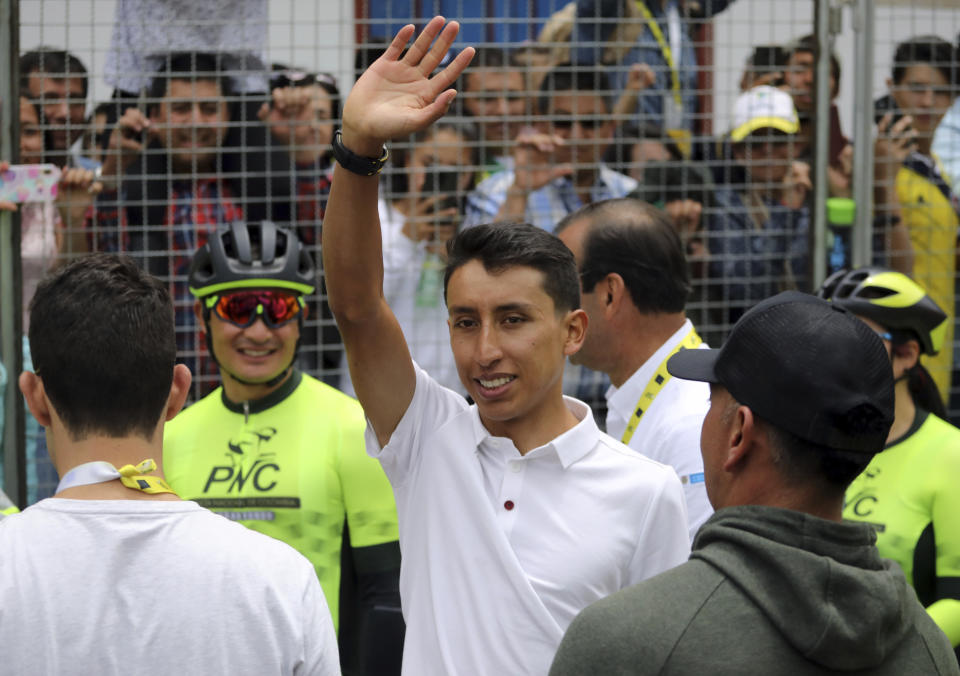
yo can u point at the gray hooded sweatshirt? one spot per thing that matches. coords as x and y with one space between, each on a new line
766 591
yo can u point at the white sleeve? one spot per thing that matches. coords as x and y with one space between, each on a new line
679 444
431 406
321 656
663 542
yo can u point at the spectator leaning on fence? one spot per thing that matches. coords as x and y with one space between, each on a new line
922 86
634 286
496 97
516 512
177 178
802 397
557 166
56 82
757 236
177 588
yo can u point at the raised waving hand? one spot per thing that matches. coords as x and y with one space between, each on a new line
397 96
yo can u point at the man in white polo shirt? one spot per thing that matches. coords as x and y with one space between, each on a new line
517 512
634 286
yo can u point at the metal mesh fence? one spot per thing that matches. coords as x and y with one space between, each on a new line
169 118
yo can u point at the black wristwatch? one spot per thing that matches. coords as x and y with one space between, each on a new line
358 164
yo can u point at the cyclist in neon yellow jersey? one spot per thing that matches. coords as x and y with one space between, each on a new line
282 452
909 491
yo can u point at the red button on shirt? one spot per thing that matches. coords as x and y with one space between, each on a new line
508 505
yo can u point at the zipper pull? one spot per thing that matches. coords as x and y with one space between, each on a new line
246 412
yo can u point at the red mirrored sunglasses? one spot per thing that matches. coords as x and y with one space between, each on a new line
242 308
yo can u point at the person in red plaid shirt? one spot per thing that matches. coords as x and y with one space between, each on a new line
184 168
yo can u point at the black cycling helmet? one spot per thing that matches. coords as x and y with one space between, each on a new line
254 255
892 300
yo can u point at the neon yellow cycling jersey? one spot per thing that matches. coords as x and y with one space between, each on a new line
910 493
292 465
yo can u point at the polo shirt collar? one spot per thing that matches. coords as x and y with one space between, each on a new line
569 447
625 398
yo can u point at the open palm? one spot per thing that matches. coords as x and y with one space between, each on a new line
396 96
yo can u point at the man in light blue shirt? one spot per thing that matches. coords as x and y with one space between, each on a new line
556 166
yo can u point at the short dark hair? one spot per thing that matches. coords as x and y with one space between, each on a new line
928 49
195 66
51 61
102 341
808 44
567 78
637 241
801 461
499 246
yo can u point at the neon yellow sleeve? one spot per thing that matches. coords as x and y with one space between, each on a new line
946 613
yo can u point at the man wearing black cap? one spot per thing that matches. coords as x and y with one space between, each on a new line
777 583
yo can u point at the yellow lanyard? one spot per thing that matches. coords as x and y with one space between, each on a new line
131 476
657 381
665 49
136 478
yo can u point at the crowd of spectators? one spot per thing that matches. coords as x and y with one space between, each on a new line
605 107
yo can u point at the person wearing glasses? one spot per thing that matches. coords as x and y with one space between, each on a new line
922 88
557 165
279 451
909 491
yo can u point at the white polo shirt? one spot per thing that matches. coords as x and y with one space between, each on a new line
500 550
669 431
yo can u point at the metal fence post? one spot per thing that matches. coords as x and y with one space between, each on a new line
818 249
14 474
863 26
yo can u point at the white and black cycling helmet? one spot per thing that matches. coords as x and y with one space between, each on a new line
255 255
892 300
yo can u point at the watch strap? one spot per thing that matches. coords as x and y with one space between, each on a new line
358 164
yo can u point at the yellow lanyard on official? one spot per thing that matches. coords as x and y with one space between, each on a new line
673 123
660 378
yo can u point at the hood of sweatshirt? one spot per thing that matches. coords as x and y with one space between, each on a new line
821 583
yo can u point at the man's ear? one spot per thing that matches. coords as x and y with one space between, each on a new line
614 293
904 357
179 389
35 397
575 325
740 442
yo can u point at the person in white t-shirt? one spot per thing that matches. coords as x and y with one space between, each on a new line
635 284
517 512
115 574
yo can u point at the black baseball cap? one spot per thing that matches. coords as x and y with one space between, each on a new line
805 366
